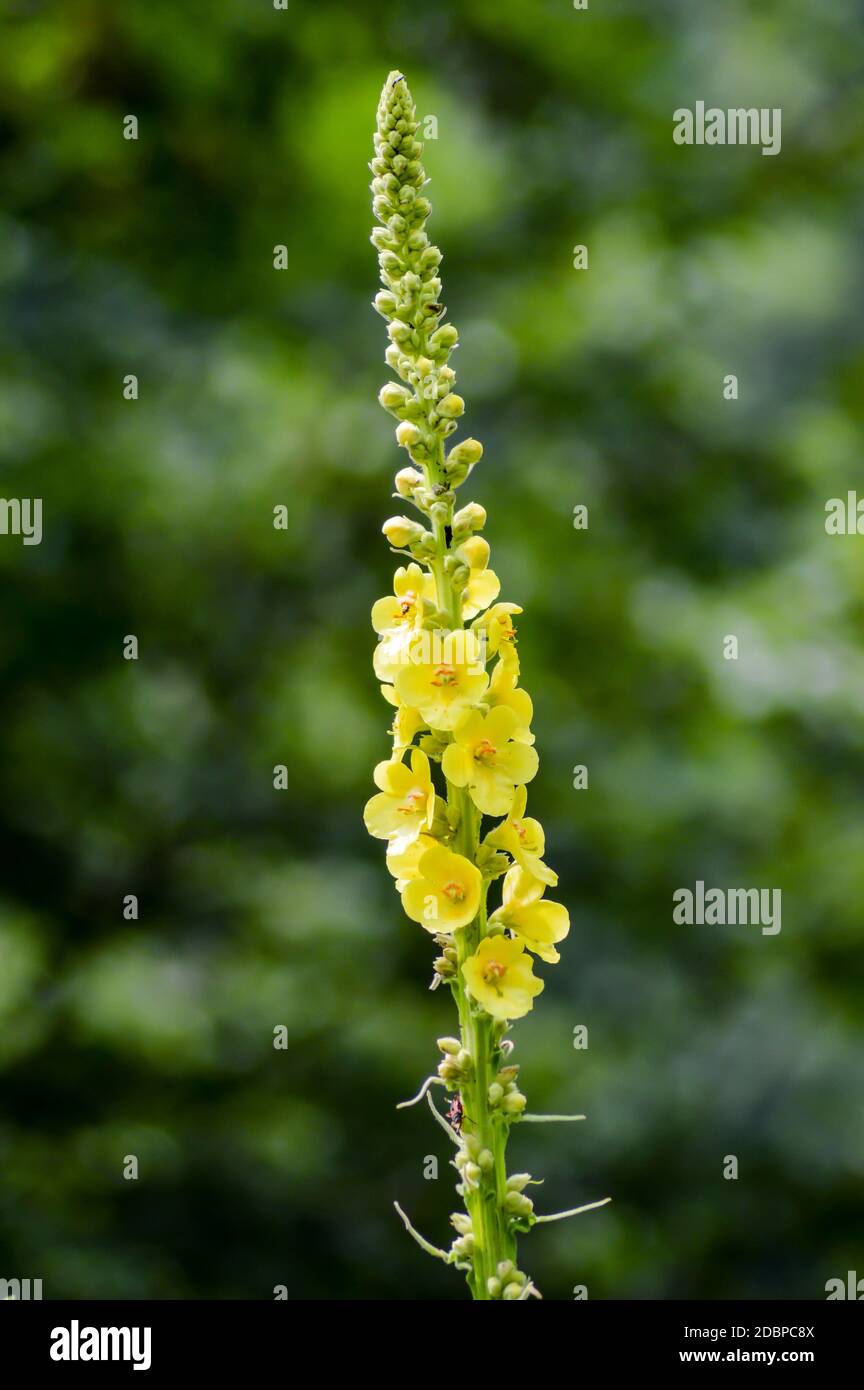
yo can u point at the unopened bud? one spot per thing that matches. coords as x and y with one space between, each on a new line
459 576
468 519
517 1181
495 1093
512 1292
399 332
407 434
493 1287
464 454
393 397
407 480
444 338
451 1045
514 1103
385 303
401 531
452 406
475 551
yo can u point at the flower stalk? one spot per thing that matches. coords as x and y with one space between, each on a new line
448 665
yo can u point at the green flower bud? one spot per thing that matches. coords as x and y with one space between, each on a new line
466 453
401 531
407 481
394 397
399 332
452 406
517 1181
486 1160
396 360
450 1071
467 520
505 1269
512 1292
495 1093
449 1045
385 303
459 577
407 434
444 338
462 1223
508 1074
493 1287
514 1103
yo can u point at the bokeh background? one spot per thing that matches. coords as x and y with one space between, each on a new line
257 388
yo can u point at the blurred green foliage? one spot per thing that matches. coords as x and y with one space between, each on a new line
257 387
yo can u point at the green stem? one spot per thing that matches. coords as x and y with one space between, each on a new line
493 1241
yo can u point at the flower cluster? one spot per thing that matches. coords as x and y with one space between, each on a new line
448 664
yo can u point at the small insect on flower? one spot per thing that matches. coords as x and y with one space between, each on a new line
455 1113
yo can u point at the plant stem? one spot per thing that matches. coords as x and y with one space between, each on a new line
493 1241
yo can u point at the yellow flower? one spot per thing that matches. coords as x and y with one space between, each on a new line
483 584
405 866
484 758
503 692
406 722
446 893
498 625
398 617
405 805
445 688
500 976
538 925
522 837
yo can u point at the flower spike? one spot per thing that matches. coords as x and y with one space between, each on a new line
462 745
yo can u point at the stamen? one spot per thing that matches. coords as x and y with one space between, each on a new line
445 675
